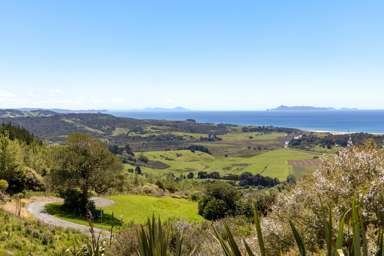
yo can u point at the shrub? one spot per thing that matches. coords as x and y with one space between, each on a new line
200 148
291 179
190 175
224 199
353 172
3 185
138 170
160 184
349 238
151 189
212 208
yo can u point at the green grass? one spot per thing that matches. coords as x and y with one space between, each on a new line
190 135
181 161
238 143
252 136
137 209
20 237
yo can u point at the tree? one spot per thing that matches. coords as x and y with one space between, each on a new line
138 170
11 163
85 164
19 133
214 209
220 200
291 179
190 175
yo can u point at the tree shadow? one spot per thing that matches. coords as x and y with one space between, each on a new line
100 217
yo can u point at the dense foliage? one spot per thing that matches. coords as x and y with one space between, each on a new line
22 165
244 179
18 133
85 164
220 200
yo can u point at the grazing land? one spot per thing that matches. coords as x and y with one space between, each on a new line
273 163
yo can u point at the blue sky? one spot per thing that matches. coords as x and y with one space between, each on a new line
217 55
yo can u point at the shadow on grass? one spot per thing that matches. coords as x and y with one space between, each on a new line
102 218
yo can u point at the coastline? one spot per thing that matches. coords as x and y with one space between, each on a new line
340 132
337 122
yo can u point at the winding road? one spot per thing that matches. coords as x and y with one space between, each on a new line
37 210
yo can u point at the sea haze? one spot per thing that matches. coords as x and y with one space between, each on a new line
371 121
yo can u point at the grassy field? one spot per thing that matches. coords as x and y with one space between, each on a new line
274 162
137 209
252 136
245 143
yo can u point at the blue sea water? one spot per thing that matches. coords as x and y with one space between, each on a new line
371 121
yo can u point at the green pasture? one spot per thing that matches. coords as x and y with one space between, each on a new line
274 163
252 136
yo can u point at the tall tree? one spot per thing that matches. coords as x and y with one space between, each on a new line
11 163
85 164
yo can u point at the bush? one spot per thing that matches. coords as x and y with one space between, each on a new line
224 199
356 172
33 180
194 148
138 170
3 186
160 184
212 209
149 189
195 196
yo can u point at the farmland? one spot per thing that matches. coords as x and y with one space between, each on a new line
271 163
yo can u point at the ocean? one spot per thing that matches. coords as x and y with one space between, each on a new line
370 121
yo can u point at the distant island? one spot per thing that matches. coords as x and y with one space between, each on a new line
308 108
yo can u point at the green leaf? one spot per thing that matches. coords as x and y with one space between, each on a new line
298 239
340 233
328 233
259 233
248 249
356 239
380 244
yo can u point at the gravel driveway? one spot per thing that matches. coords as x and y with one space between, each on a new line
37 210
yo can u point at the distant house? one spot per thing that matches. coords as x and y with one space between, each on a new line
298 137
